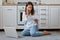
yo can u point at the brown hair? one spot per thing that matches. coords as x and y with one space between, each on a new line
32 11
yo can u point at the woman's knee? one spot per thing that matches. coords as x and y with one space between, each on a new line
32 33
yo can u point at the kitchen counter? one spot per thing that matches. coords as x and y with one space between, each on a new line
9 5
6 4
40 4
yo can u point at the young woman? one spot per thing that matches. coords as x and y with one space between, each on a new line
30 22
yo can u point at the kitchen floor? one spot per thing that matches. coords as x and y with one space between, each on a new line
54 36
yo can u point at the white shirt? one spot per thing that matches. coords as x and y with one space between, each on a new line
30 22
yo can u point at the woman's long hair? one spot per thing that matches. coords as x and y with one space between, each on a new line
32 11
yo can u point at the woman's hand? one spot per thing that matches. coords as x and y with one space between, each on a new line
27 14
27 17
36 21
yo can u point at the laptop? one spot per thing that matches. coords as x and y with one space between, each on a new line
11 32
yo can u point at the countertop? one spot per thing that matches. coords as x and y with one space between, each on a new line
6 4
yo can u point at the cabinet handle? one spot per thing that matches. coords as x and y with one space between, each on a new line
43 9
21 16
43 23
20 24
43 14
43 18
9 9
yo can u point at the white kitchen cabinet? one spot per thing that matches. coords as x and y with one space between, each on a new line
59 16
43 21
50 1
49 17
1 17
53 17
0 2
9 16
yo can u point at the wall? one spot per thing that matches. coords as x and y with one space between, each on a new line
50 1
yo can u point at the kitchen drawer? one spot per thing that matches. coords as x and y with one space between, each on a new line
9 9
42 21
43 10
44 17
45 22
43 14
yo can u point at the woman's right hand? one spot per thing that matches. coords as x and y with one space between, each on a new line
26 16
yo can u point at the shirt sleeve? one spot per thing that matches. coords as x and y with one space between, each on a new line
24 18
37 17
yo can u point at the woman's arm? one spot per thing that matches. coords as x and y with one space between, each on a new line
24 19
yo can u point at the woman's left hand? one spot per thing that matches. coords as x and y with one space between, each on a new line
36 21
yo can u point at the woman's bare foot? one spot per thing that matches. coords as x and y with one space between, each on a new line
46 33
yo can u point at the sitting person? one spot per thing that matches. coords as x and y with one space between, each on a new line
31 23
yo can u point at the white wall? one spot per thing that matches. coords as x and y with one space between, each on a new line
0 2
11 0
50 1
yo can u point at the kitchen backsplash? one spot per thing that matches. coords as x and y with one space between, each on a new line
14 2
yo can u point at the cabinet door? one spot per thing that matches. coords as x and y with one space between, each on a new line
53 17
0 17
59 16
43 22
9 15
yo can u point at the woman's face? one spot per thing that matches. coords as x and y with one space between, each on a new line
29 8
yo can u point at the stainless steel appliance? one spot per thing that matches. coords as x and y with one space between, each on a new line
21 9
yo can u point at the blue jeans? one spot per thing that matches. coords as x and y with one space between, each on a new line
33 31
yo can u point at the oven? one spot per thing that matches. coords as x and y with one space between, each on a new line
21 9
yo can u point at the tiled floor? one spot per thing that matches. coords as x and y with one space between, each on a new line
53 36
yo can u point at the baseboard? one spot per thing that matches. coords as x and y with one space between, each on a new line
49 29
39 29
